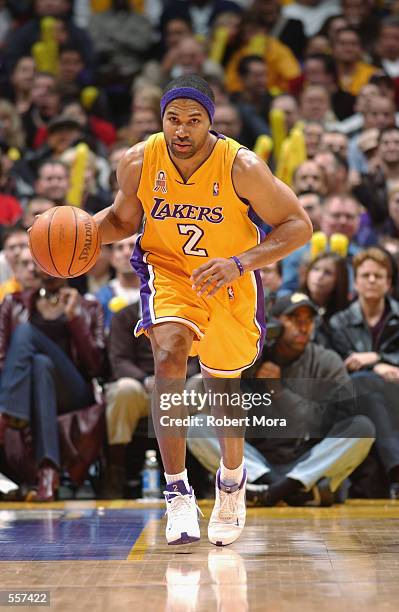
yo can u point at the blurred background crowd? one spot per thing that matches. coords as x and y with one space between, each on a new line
312 87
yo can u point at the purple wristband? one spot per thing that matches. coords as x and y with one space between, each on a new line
238 264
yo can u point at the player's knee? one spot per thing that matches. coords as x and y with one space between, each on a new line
170 362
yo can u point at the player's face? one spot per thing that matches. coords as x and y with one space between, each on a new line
186 127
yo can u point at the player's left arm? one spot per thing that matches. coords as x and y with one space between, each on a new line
277 205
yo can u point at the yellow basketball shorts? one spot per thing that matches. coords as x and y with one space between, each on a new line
229 327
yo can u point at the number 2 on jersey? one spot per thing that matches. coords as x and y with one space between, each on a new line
195 234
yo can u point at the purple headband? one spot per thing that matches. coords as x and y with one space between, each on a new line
188 92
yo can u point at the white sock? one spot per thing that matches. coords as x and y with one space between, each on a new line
175 477
231 477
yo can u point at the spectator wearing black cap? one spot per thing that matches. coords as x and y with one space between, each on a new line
307 380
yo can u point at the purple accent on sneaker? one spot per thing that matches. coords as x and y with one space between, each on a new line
184 539
233 488
219 543
177 487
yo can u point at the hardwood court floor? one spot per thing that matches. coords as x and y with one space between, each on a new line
111 557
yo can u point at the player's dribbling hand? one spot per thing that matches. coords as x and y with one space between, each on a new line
213 275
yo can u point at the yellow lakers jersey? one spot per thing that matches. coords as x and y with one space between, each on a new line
187 223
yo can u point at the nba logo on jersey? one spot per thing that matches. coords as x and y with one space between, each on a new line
160 182
215 189
230 293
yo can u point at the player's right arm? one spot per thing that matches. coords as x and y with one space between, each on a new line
123 218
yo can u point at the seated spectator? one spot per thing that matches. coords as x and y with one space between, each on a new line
309 177
326 282
282 66
190 58
289 105
45 105
380 114
313 132
27 272
382 178
253 102
19 89
72 73
201 15
143 123
94 196
320 69
348 53
11 129
362 16
21 40
97 132
366 335
312 14
315 104
51 346
121 38
10 207
14 240
124 289
289 31
311 202
337 142
227 121
336 171
340 215
317 45
297 469
387 47
35 206
63 133
53 181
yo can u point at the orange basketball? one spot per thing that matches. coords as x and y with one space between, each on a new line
64 241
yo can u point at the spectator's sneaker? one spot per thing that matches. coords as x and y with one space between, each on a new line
182 510
258 494
228 515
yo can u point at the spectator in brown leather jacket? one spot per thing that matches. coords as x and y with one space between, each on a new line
51 346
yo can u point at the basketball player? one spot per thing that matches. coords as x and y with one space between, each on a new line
197 258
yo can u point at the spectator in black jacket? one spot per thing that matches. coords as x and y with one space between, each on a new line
366 335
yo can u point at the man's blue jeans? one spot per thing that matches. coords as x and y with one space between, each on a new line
38 382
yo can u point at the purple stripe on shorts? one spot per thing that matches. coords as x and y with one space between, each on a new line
142 271
260 311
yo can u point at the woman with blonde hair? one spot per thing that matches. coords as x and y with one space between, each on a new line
11 130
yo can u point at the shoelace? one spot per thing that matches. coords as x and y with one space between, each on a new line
228 505
176 507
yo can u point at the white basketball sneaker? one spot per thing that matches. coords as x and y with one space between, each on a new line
182 511
228 515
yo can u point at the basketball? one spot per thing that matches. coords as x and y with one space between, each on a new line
64 241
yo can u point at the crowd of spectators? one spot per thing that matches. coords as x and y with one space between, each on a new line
312 86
